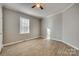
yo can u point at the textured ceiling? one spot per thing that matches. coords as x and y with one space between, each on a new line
49 8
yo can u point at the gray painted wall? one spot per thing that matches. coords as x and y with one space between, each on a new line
71 26
63 26
53 23
12 26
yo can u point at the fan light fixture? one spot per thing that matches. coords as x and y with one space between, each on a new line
38 5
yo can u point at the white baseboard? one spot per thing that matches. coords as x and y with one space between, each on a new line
45 38
67 44
71 45
7 44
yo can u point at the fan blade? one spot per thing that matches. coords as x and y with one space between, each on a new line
33 6
41 7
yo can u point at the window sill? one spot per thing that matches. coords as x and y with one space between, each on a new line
25 33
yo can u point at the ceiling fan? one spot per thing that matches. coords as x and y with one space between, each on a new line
38 5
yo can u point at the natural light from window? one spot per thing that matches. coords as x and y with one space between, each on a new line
48 33
24 25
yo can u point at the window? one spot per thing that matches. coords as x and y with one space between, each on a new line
24 25
48 33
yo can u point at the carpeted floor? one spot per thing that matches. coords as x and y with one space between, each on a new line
39 47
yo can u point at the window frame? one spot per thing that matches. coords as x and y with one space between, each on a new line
28 30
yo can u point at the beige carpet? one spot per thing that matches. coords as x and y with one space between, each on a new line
39 47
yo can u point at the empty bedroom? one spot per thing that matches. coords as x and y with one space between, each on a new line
39 29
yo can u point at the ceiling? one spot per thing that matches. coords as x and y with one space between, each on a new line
49 8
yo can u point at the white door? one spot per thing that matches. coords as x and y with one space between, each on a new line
0 42
0 25
1 32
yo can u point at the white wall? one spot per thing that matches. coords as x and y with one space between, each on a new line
54 24
12 26
64 27
71 26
